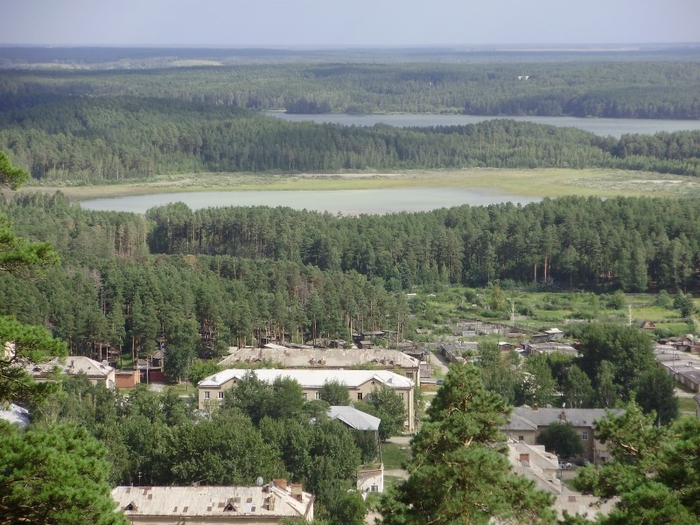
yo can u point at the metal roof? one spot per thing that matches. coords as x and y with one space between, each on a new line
354 418
578 417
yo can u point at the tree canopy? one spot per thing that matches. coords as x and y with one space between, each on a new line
461 446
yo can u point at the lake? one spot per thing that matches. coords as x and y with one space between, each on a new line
352 202
347 202
600 126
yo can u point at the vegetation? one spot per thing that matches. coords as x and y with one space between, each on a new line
195 283
53 473
658 84
654 473
562 439
457 447
97 140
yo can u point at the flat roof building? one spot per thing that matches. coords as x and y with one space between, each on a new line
200 505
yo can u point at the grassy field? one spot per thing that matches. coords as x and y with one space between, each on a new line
395 456
526 183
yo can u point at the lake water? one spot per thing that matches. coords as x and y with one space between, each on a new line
347 202
600 126
383 201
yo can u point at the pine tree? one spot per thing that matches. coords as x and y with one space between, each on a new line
459 472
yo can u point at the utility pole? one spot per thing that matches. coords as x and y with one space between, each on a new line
629 315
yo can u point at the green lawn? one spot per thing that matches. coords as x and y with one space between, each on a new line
687 405
395 456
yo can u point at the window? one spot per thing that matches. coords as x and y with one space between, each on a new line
409 375
584 436
206 395
402 395
375 488
359 396
306 396
221 395
318 395
521 438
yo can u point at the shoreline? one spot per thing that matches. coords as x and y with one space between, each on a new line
538 183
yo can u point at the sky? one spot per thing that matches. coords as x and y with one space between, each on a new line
346 23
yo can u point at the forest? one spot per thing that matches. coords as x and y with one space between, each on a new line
95 126
89 140
197 282
202 281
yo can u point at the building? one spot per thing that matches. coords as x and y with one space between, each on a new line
549 348
370 478
331 358
360 383
201 505
526 423
14 414
683 367
73 365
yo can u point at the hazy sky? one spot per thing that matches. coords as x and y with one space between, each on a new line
347 22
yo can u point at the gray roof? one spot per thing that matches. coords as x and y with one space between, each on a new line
693 375
517 422
354 418
320 357
15 414
579 417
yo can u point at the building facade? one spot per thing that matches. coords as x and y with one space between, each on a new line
360 384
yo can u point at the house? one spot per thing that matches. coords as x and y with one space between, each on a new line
370 478
127 378
353 418
681 366
647 325
554 334
360 383
266 504
73 365
14 414
453 352
318 358
534 463
527 422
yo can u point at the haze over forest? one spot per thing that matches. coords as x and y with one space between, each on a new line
363 23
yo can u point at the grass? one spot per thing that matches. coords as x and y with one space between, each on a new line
687 405
526 183
395 456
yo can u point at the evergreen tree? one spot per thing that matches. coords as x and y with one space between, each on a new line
459 446
54 475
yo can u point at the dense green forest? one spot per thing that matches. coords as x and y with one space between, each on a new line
94 140
202 281
661 86
96 126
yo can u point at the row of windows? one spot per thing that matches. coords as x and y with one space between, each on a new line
318 396
206 395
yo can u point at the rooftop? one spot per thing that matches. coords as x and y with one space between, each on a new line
579 417
354 418
320 357
269 500
72 364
